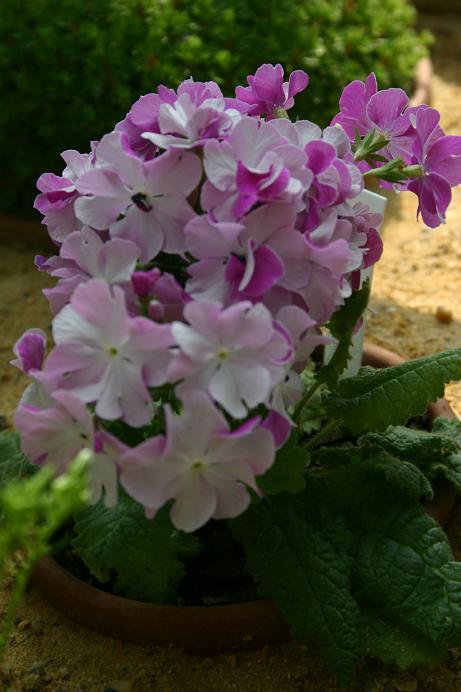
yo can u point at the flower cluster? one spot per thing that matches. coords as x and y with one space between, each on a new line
201 246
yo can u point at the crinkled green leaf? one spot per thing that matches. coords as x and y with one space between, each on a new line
13 463
436 453
403 563
448 428
142 556
363 468
413 445
391 644
305 567
288 471
375 399
341 327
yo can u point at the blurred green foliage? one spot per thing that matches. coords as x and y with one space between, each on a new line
70 69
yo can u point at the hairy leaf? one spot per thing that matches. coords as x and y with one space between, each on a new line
306 568
413 445
341 327
437 454
392 644
288 471
375 399
13 463
362 468
142 555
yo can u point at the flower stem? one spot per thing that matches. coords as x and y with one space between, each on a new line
314 441
306 397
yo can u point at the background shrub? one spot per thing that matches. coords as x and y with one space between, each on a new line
70 69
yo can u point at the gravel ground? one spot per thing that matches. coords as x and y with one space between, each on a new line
415 310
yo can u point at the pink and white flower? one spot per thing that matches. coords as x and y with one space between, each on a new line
84 256
59 193
237 354
203 466
105 356
144 202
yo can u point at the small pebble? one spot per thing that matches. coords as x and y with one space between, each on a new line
24 625
443 315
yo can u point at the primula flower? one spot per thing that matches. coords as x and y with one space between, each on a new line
30 352
164 296
186 124
84 256
58 194
364 108
237 353
142 202
104 356
266 91
57 433
236 260
201 465
255 165
439 156
175 113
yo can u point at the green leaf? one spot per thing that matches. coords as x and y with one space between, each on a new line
13 463
391 644
305 567
362 468
143 556
375 399
403 566
341 327
419 446
448 428
436 453
288 471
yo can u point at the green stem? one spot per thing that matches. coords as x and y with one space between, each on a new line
306 397
314 441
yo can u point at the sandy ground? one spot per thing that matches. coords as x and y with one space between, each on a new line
416 310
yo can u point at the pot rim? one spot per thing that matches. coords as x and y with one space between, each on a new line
199 629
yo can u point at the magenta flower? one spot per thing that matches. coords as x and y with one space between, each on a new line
236 261
58 194
439 156
142 202
266 90
237 353
203 466
104 356
84 256
30 350
164 295
364 108
142 117
255 165
185 124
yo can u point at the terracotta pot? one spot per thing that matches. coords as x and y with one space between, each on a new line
204 629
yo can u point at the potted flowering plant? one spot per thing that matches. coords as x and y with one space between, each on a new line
202 247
